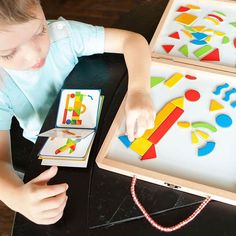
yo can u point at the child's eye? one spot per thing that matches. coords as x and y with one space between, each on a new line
9 57
44 31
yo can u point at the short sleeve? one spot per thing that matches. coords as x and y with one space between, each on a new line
86 39
6 113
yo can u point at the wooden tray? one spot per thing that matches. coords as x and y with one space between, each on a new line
206 168
198 32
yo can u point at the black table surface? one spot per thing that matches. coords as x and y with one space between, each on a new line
99 201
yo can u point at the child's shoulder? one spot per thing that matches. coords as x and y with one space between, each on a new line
58 29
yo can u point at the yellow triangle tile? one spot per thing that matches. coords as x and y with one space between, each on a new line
214 106
178 102
194 138
187 33
199 28
202 134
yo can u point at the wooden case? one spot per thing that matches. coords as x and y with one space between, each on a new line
196 153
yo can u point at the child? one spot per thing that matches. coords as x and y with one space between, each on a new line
35 58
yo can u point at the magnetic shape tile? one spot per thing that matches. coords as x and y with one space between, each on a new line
187 33
183 124
140 146
150 154
174 35
202 51
179 102
198 28
124 139
198 42
216 22
199 36
160 118
207 149
166 125
167 48
190 77
219 13
215 106
193 7
189 28
208 39
225 40
216 17
184 50
233 24
202 134
235 42
173 80
156 80
186 18
182 9
212 56
224 121
219 33
194 138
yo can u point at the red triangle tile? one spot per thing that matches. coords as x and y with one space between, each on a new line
212 56
175 35
183 9
150 154
167 48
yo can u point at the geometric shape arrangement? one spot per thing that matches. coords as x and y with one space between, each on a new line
165 118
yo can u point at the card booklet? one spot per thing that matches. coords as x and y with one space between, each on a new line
69 143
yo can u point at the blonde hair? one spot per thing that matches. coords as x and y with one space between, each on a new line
17 11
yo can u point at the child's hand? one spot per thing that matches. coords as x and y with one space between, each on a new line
140 114
42 203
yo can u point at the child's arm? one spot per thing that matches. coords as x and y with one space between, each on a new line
39 202
139 107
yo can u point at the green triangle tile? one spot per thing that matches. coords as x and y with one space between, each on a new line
233 24
225 40
189 28
156 80
184 50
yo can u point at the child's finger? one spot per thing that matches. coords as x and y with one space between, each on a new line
53 202
130 125
51 190
151 121
46 175
141 126
55 211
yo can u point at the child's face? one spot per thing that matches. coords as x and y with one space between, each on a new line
24 46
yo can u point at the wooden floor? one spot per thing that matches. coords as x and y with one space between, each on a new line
99 12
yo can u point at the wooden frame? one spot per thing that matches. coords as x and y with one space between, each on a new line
105 161
163 24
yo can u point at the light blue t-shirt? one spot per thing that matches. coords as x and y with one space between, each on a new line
28 95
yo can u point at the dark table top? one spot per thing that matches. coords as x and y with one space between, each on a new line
99 201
